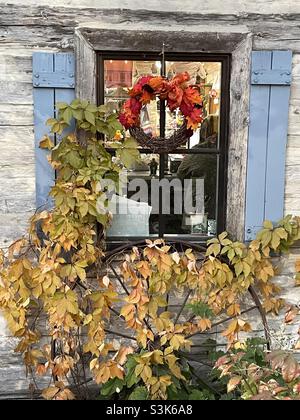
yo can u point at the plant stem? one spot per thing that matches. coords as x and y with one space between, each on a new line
182 306
120 334
119 279
224 320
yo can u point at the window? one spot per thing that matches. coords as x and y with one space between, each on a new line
198 168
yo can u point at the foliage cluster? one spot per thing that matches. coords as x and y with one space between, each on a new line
55 277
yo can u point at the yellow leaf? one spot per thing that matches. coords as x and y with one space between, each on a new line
176 257
88 319
157 357
231 329
234 309
168 350
80 272
213 249
146 373
138 370
46 143
233 383
204 324
144 268
268 224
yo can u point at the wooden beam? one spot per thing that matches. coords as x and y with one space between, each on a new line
139 39
238 137
85 58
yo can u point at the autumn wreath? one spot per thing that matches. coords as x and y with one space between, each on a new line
178 94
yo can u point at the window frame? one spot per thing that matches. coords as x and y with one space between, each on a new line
237 41
221 152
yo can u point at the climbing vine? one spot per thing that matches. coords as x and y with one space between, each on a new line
56 279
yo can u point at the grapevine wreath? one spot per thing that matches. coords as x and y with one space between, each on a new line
178 94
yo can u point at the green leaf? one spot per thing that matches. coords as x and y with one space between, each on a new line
222 236
268 224
51 121
176 394
231 254
196 394
91 108
75 104
200 309
61 105
128 156
74 159
281 232
83 208
131 378
56 128
67 115
84 103
238 268
112 386
140 393
213 249
78 114
130 143
103 109
89 117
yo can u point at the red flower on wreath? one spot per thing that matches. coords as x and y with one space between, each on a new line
177 92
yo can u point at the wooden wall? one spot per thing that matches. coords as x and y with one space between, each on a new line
26 28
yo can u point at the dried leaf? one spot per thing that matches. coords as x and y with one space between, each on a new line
233 383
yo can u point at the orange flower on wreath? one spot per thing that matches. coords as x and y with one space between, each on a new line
177 92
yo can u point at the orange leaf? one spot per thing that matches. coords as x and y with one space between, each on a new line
121 356
291 314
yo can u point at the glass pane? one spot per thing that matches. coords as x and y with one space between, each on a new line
207 76
136 213
121 75
194 184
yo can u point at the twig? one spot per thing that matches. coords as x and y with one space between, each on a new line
191 318
115 312
182 306
201 380
223 320
119 279
263 316
120 334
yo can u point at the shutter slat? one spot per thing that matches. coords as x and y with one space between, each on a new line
64 63
277 141
43 110
257 147
269 107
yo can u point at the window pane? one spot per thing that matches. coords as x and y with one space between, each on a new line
121 75
207 76
136 213
194 184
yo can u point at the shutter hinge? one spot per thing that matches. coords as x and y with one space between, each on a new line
271 77
54 80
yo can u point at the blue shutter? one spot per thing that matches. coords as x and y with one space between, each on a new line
53 81
269 107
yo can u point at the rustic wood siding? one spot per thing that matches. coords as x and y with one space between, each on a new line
27 27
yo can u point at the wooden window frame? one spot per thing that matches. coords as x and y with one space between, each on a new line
238 44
